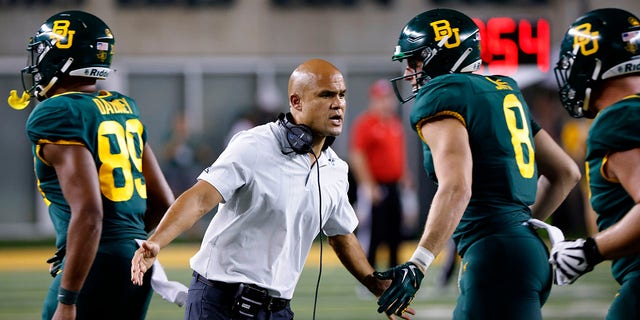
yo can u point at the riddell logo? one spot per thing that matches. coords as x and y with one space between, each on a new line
99 73
630 67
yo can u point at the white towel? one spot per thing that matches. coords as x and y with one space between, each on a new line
172 291
555 234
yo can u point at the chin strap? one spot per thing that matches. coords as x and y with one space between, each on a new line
16 102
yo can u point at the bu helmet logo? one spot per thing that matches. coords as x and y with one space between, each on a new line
61 32
585 39
442 30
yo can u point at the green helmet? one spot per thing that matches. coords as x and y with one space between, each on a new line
602 44
444 40
70 43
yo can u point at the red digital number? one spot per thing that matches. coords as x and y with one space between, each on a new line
485 55
499 53
504 42
500 46
539 45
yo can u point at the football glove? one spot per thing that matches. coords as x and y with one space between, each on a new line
55 262
572 259
405 282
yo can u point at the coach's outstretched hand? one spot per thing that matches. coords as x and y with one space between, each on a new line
405 282
572 259
142 260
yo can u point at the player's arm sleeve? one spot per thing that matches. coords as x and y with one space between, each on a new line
441 99
535 127
625 121
59 124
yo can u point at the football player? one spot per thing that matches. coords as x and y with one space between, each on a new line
598 75
96 172
495 168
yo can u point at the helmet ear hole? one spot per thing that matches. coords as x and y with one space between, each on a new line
425 54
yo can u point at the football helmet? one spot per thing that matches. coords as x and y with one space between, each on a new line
69 43
602 44
444 40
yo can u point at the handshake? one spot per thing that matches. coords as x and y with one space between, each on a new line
405 282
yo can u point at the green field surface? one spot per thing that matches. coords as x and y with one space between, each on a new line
23 286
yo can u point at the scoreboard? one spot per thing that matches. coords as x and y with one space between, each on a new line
508 43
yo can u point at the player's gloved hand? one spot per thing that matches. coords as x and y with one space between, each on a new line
55 262
405 282
572 259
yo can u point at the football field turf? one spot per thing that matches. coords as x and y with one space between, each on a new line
24 282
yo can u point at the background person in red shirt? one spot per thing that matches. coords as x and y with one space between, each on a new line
378 162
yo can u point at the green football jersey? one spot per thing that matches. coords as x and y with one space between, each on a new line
501 132
108 125
614 129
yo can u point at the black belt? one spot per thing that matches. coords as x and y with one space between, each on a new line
270 303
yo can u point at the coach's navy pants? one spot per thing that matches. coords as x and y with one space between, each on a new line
211 303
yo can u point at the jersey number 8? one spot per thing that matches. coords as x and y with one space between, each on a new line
522 144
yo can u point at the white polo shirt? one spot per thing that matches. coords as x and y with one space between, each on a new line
263 232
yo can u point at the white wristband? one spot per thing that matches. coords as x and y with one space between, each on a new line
422 258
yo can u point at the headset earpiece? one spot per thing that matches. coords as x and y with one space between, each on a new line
299 136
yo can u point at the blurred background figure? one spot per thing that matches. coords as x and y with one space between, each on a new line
181 167
268 105
183 156
378 163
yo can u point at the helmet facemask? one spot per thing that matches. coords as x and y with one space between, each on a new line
417 79
574 84
38 77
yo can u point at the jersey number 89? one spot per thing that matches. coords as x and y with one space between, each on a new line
117 159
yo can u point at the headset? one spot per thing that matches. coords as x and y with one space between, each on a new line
299 136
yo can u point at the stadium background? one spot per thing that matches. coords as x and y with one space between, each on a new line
214 60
